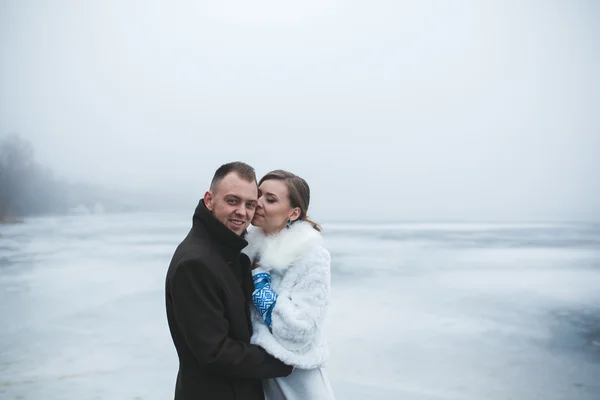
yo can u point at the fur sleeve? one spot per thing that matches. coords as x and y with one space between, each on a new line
296 317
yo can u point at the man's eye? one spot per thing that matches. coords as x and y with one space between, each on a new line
231 201
251 206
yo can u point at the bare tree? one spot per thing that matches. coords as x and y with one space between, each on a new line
16 167
26 188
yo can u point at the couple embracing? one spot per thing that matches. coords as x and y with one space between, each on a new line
246 304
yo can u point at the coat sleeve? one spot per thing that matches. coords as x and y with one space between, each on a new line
200 316
297 316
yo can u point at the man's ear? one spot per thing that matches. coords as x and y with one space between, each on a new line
208 200
295 214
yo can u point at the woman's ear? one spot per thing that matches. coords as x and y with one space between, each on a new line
295 214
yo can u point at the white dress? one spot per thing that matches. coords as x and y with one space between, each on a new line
299 267
301 384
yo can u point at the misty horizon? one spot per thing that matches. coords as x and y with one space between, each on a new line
391 111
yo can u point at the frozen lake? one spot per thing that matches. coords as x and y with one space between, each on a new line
419 311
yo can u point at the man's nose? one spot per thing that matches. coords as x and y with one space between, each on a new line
241 210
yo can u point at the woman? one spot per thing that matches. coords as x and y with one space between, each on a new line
291 287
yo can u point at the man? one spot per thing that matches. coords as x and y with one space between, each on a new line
208 292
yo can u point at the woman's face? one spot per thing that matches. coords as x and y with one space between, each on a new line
273 208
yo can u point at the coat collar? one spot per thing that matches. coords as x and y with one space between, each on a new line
228 240
278 251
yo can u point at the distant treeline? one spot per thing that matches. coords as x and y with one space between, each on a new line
27 188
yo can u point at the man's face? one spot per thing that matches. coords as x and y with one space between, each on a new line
233 202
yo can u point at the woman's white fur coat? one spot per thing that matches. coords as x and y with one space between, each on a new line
300 272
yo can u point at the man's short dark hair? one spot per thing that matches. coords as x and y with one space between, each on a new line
242 169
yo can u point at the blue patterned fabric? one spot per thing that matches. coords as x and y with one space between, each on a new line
264 297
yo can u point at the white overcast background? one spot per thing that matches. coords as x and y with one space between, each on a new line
391 110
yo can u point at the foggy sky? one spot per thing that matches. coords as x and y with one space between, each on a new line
389 109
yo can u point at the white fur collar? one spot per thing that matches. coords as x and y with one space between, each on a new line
280 250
